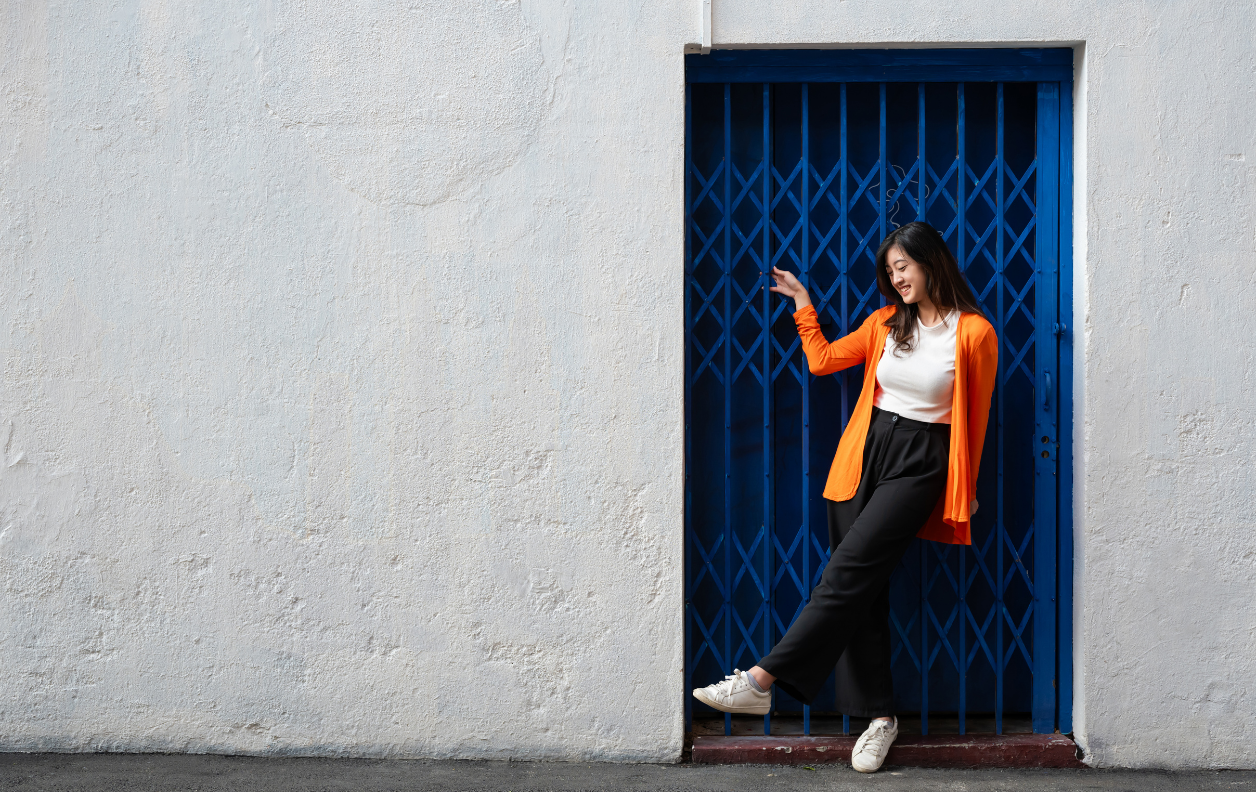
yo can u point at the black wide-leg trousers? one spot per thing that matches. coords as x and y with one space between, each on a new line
846 623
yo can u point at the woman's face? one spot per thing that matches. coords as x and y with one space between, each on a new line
906 276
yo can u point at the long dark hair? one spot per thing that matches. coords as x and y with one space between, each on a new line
945 285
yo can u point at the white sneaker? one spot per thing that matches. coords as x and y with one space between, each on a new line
735 694
873 745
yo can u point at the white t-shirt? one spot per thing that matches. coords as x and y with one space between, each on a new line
920 384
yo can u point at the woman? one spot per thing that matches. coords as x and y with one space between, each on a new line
906 466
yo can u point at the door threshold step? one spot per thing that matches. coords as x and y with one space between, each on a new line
909 750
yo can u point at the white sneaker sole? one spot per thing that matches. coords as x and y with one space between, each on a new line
758 709
869 770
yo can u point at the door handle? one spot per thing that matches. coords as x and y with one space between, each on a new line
1046 392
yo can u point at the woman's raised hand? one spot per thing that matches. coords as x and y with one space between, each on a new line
789 286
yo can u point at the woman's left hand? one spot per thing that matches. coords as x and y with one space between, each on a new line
972 507
788 285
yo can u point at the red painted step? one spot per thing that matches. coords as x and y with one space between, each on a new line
909 750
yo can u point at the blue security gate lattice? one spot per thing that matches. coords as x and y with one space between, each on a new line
810 176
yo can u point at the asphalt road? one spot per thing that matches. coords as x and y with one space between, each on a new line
167 773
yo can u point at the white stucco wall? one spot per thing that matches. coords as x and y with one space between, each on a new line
342 378
342 347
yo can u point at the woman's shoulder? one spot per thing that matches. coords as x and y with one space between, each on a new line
881 314
975 332
975 325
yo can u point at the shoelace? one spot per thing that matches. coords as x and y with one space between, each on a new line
730 681
875 739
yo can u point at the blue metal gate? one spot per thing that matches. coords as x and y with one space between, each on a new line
805 160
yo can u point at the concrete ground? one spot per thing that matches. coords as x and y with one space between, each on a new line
167 773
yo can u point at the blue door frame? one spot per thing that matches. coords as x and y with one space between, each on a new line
805 159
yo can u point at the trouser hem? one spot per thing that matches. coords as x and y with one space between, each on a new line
871 712
789 687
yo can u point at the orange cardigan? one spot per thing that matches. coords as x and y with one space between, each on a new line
976 367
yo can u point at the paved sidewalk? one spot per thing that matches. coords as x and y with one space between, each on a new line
168 773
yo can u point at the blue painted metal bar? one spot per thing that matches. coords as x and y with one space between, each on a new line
1046 260
962 657
961 239
961 664
1001 324
805 276
921 169
769 507
689 529
844 273
904 65
883 154
924 638
728 390
961 201
1064 438
844 254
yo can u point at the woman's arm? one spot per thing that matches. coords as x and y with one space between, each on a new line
983 370
822 357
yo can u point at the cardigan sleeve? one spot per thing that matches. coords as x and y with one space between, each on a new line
825 358
983 370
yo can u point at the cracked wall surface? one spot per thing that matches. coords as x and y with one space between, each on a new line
342 370
405 103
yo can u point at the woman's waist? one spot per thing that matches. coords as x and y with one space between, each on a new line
902 422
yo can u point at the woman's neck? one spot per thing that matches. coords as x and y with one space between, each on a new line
927 313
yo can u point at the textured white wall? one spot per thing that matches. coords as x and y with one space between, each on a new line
1166 287
342 342
341 405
